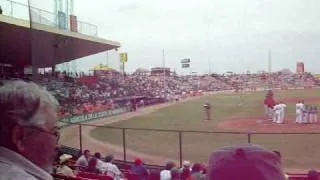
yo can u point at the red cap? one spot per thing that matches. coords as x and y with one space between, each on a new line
138 161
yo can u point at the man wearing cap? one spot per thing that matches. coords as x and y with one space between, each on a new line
139 169
63 168
244 162
185 171
29 131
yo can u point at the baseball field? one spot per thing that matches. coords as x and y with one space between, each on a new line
238 113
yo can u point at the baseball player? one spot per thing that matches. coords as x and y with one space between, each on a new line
282 108
276 113
269 104
306 113
299 112
266 108
311 114
315 114
207 109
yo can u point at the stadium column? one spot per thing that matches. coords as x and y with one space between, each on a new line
34 70
53 69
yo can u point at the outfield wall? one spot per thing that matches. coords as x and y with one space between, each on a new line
71 120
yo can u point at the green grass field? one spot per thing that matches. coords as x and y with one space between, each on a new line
299 151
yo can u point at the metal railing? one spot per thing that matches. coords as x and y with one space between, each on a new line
197 146
21 11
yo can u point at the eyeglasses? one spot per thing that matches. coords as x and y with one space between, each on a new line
54 132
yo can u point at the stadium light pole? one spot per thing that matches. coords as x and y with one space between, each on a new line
164 74
269 68
107 60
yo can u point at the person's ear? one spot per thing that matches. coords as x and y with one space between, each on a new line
18 138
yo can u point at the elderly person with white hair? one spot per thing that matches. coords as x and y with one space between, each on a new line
28 131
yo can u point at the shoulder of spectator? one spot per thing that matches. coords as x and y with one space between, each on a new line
14 173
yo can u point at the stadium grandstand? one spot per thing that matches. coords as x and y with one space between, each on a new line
30 44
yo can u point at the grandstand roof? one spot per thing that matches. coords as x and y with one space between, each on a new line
46 45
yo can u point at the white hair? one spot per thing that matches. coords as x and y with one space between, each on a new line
21 101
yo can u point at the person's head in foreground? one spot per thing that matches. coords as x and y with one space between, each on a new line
244 162
313 175
97 155
28 128
109 159
63 159
169 165
138 162
86 154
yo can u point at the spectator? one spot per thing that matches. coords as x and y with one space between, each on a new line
29 132
175 174
140 170
248 162
97 155
196 172
0 10
280 156
166 173
92 166
313 175
111 169
83 159
63 168
185 171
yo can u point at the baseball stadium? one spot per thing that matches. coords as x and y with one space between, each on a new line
173 124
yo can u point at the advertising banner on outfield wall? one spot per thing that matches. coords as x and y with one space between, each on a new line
94 115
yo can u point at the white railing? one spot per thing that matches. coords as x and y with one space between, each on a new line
21 11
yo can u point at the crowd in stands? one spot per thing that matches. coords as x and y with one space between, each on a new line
237 162
77 97
95 166
276 80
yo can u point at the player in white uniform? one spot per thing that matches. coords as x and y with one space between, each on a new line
313 114
306 117
276 114
299 112
282 108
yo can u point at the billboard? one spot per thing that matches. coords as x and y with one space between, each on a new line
185 63
123 57
186 60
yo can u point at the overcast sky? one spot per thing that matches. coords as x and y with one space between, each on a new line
233 35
